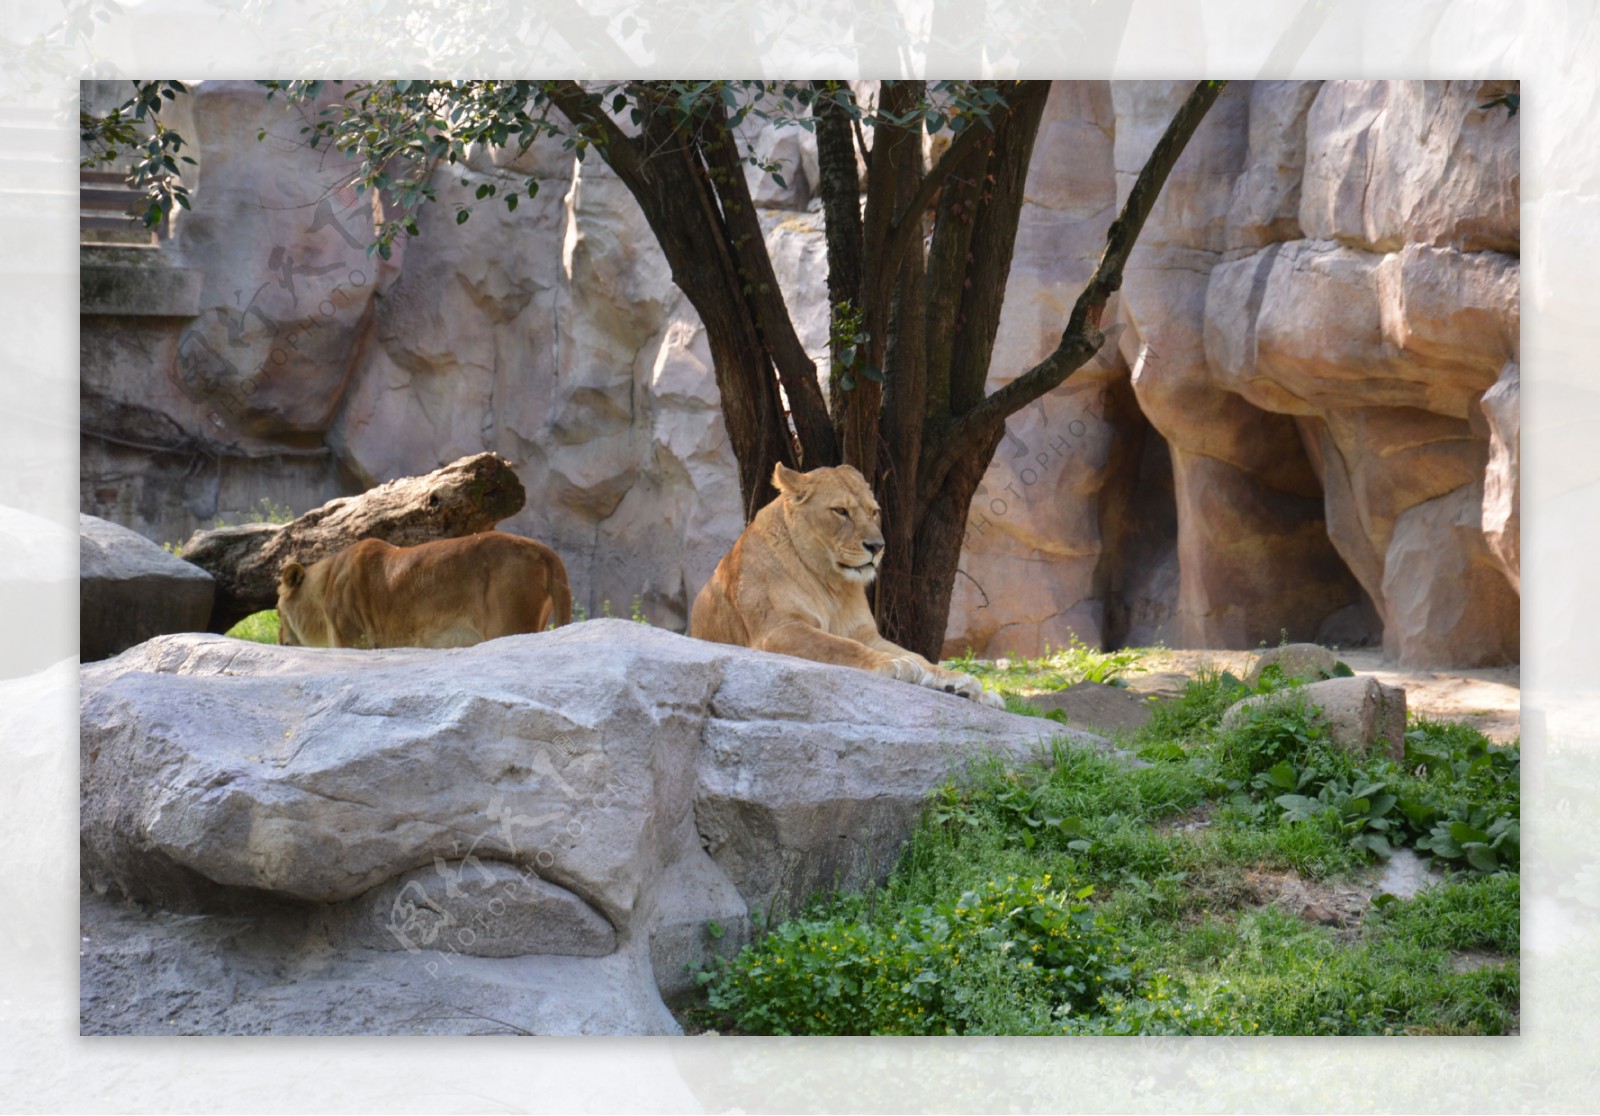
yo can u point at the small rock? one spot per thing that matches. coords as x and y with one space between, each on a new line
1361 713
1162 684
1304 661
1096 707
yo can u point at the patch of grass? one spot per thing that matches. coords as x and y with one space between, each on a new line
1176 925
1193 715
258 627
1054 670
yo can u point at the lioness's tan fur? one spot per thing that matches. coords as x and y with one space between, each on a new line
449 593
796 582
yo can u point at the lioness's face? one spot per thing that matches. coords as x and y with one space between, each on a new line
835 510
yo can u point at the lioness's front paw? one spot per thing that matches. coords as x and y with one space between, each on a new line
906 669
954 682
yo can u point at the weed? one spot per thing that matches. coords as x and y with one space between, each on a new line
267 512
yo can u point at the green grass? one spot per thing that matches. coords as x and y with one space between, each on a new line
1085 896
258 627
1053 670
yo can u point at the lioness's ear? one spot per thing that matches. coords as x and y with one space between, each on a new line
292 576
789 483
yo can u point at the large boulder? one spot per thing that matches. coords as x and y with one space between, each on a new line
131 590
603 788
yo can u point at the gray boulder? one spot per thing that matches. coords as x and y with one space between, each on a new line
131 590
605 788
1361 713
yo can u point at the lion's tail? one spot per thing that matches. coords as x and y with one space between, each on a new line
560 595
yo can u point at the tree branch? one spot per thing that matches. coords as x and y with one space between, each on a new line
584 110
1082 337
797 372
905 232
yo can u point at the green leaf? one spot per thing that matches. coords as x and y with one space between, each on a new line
462 215
511 203
1284 776
1483 859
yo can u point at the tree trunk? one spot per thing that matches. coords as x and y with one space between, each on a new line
958 447
463 498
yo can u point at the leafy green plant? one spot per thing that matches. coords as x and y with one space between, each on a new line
1360 809
1268 735
926 972
1483 841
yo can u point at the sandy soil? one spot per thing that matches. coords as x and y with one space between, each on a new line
1490 698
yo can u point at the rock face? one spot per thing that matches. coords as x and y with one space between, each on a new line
1361 714
1317 334
600 789
1321 304
132 590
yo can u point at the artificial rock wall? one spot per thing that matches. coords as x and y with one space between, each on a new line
1307 422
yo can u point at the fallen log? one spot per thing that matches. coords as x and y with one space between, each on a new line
462 498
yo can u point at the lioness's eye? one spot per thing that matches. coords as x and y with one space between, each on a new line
843 511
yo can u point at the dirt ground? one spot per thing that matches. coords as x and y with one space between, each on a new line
1489 698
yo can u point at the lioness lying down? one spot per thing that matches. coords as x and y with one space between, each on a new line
449 593
796 582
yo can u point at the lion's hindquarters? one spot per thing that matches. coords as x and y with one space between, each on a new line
449 593
526 586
